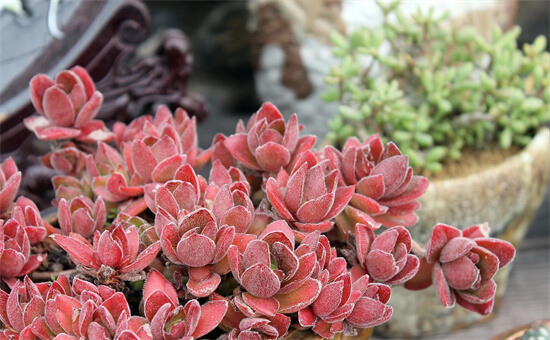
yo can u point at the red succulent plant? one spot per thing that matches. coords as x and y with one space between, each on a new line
220 153
386 257
220 176
81 215
15 250
67 159
268 143
67 107
344 304
27 214
171 320
87 311
68 187
197 242
254 242
277 278
463 264
10 178
115 255
20 307
241 327
147 141
182 193
110 178
386 190
310 197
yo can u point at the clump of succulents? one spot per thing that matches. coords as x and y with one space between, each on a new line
279 236
439 89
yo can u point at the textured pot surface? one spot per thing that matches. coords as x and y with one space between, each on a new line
507 196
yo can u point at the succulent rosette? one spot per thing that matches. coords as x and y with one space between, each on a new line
182 194
27 214
10 178
310 197
233 208
21 307
15 251
87 311
197 242
115 255
344 304
110 177
67 107
67 159
69 187
241 327
171 320
268 143
163 136
220 176
341 292
81 215
276 277
386 190
463 264
386 257
220 153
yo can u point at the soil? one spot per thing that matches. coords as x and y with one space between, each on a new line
473 161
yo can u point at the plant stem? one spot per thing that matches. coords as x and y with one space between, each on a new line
47 276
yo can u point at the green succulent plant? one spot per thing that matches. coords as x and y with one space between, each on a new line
440 89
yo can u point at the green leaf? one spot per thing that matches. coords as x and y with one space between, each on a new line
415 159
366 111
433 167
532 104
444 106
540 43
331 95
454 154
436 154
358 38
402 136
518 126
332 137
332 80
347 131
349 67
487 82
391 62
505 138
423 139
350 113
339 40
335 124
522 140
466 34
137 285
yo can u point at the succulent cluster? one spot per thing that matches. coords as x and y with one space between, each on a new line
279 236
439 89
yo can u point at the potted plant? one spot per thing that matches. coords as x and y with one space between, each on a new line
292 49
146 248
468 112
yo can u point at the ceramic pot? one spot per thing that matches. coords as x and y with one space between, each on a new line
507 196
